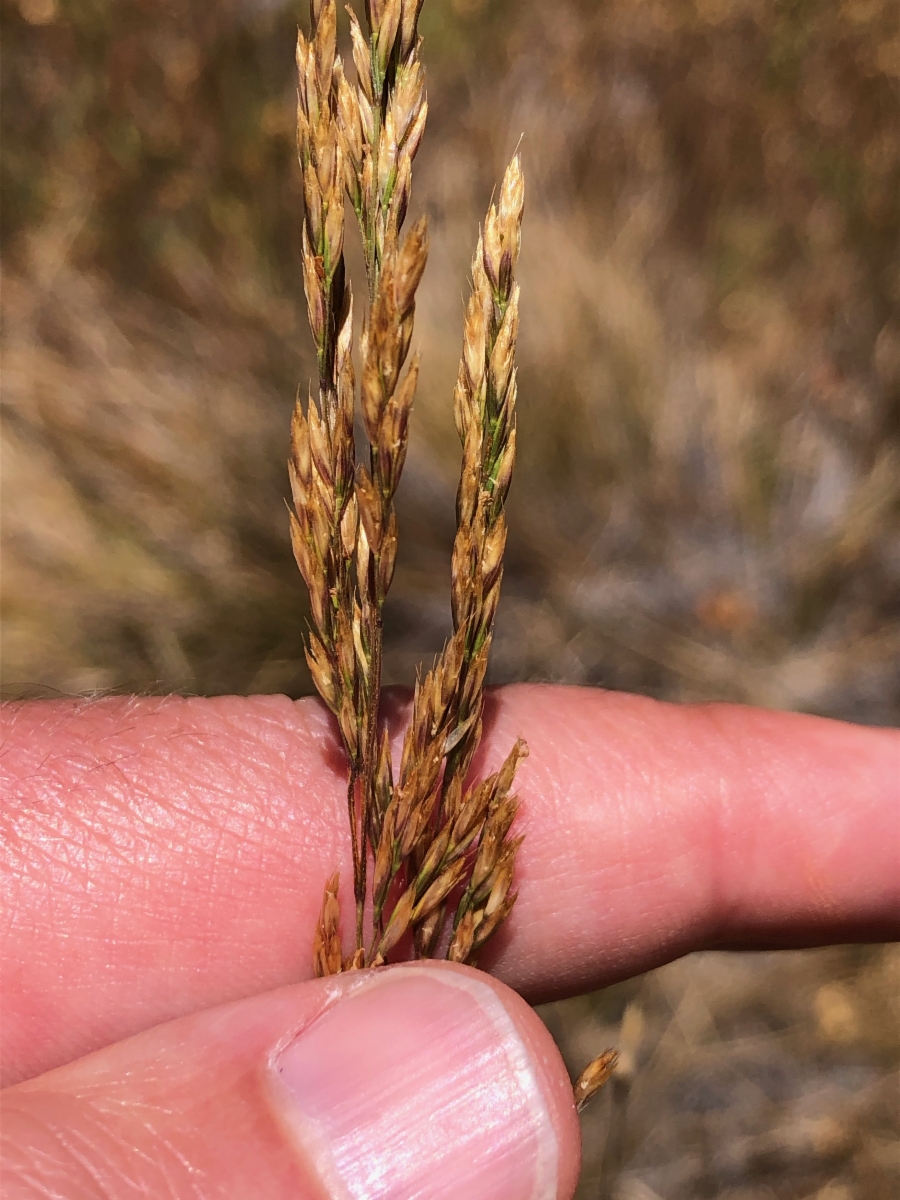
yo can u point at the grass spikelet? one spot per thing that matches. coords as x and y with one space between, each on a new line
327 939
597 1073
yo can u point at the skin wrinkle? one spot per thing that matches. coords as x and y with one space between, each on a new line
113 1159
227 816
81 1145
765 776
637 788
63 1137
160 1150
30 1172
738 769
142 946
115 832
611 821
67 851
219 819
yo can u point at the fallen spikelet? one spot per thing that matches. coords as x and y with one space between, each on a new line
593 1077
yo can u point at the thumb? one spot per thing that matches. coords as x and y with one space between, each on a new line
433 1081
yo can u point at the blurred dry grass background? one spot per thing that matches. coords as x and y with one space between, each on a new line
708 498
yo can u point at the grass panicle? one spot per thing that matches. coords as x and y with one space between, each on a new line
433 855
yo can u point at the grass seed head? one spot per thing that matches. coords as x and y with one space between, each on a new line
429 838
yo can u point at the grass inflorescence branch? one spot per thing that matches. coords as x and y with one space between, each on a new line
433 853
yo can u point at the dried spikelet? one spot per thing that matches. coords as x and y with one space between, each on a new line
327 938
398 923
593 1077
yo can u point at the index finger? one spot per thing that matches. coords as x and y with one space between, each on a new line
164 855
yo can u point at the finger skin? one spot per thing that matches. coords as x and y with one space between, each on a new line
164 855
196 1106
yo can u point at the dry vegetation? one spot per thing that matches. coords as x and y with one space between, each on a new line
709 436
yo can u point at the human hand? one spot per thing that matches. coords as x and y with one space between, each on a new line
162 857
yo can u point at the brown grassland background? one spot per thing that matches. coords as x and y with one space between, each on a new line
707 503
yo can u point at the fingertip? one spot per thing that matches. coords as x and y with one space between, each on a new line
434 1080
